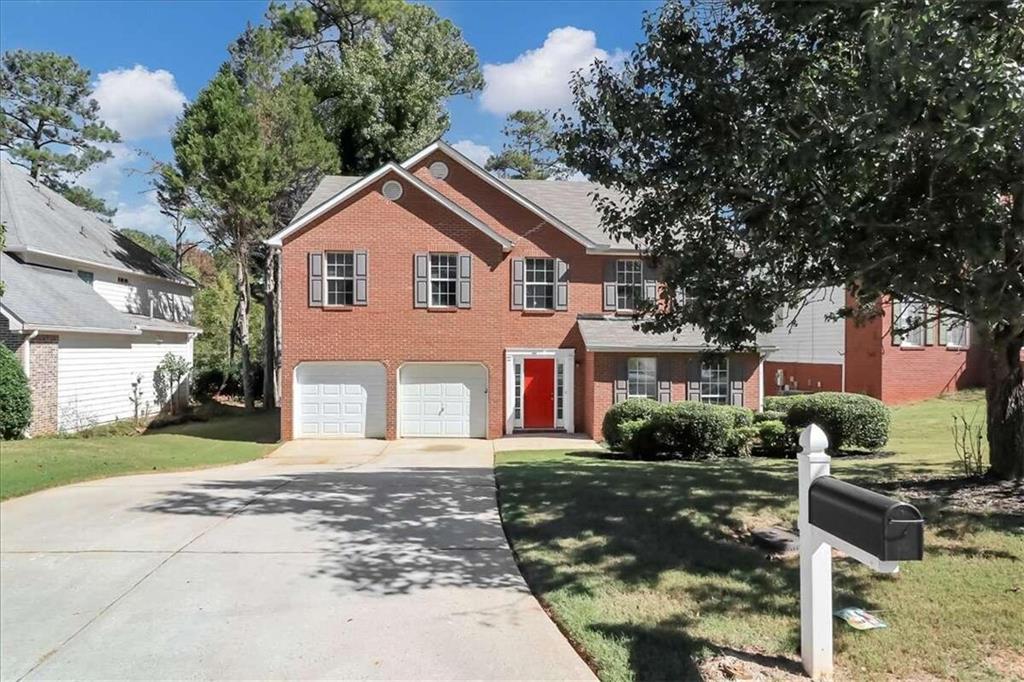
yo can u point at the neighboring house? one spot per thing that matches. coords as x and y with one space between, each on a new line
87 311
823 354
430 298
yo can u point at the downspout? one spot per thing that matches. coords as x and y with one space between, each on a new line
26 365
760 384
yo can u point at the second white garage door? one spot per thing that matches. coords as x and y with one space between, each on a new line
340 400
442 400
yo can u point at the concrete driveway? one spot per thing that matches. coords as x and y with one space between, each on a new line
354 559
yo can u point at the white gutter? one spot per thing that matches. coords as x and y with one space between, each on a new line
187 282
26 361
82 330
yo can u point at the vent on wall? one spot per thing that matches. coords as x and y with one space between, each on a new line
439 169
392 190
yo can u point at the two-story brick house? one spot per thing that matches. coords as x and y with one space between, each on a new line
430 298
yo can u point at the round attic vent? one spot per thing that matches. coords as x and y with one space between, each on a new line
439 169
392 190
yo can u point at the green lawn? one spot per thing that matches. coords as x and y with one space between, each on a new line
30 465
648 567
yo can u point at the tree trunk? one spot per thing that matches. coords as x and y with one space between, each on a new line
1004 396
269 332
242 281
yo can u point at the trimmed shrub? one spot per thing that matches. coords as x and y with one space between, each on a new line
741 416
849 419
777 439
769 416
782 403
690 430
15 397
627 410
637 438
739 442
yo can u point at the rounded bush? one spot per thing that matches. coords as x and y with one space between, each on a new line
627 410
690 430
15 397
637 438
849 419
769 416
782 403
739 442
776 439
740 416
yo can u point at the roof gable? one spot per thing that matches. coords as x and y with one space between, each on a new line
351 189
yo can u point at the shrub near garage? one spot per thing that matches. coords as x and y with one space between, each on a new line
849 419
15 397
628 410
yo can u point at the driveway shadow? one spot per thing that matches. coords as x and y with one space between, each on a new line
384 532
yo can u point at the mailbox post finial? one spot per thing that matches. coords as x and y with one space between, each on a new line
813 440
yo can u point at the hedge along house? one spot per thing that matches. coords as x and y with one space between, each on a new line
430 298
877 358
88 312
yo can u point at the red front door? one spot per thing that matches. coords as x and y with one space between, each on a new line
539 393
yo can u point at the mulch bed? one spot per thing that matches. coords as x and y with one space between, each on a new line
967 494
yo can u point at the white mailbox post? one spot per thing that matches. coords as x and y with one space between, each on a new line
890 528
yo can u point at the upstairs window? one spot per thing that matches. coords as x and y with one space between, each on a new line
629 284
540 283
443 280
340 278
714 381
642 378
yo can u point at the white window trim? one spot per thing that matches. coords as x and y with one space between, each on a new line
566 357
704 394
431 279
619 285
906 342
328 278
653 395
967 335
527 283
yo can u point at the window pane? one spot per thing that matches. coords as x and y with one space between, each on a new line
642 378
339 275
540 283
443 279
559 389
340 292
629 284
714 381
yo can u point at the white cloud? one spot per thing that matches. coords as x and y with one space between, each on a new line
477 153
146 217
539 79
107 178
137 102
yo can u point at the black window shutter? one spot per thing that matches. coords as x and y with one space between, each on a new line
561 285
620 387
610 298
693 379
362 276
650 282
518 283
465 293
420 284
664 368
737 375
316 279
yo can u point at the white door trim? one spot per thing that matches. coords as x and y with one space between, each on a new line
398 389
564 358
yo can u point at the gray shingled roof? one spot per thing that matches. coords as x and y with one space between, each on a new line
160 325
45 298
569 201
612 333
39 219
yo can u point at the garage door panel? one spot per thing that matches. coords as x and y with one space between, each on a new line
443 400
344 399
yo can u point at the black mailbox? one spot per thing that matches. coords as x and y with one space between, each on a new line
886 528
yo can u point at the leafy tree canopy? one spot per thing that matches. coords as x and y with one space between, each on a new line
531 152
50 122
382 71
153 243
765 149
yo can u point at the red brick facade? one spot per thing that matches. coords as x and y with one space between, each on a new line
390 330
42 373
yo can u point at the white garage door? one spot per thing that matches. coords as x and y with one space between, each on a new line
442 400
340 400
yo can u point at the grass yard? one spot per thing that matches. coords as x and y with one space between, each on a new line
30 465
648 568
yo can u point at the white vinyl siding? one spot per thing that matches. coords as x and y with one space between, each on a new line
168 301
815 338
642 378
95 374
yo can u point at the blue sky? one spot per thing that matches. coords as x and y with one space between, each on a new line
150 57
